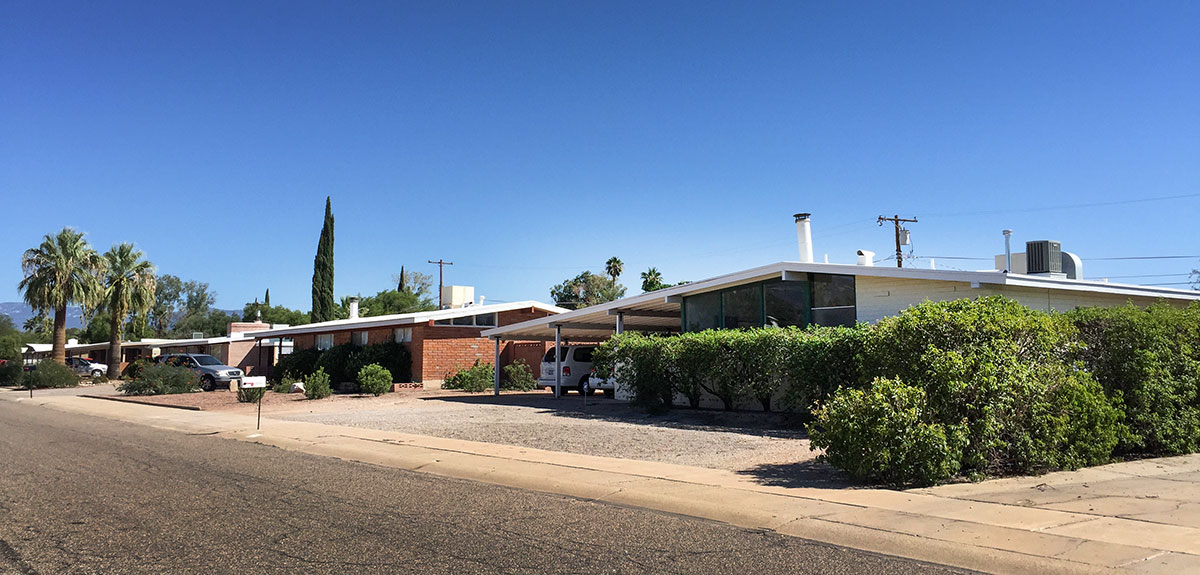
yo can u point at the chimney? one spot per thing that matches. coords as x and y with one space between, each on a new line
354 308
866 258
804 234
1007 251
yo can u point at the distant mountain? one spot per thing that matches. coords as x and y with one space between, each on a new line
20 312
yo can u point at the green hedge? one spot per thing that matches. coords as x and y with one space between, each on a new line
972 388
343 362
50 374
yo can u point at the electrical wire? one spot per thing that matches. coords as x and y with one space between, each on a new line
1061 207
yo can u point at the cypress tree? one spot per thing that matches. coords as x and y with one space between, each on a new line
267 298
322 283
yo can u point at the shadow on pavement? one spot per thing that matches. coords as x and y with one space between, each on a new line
779 425
811 473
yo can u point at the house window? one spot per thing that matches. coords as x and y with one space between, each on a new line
821 299
833 300
358 338
481 320
486 320
324 341
402 334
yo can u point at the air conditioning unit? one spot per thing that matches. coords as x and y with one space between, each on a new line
1043 257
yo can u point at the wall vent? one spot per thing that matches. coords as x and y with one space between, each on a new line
1043 257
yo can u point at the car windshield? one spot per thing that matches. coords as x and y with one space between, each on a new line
206 360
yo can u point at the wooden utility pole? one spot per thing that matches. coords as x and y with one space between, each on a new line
440 264
896 219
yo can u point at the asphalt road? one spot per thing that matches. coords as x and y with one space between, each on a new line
89 495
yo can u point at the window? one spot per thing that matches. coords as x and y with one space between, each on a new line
402 335
465 320
702 311
358 338
487 319
833 300
742 307
324 341
481 320
786 303
441 322
584 354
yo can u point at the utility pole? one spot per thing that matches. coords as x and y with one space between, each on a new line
440 264
896 219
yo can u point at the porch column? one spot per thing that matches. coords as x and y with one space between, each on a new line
620 322
558 361
496 368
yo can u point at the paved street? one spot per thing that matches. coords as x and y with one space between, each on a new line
87 495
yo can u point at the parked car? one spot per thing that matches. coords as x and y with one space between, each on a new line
576 368
213 373
605 384
85 366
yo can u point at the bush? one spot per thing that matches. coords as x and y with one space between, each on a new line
284 385
161 379
819 360
339 363
12 365
374 379
251 395
882 435
98 379
644 366
391 356
316 386
1148 361
518 377
474 379
298 364
50 374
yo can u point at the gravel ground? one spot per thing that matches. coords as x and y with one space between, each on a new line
770 446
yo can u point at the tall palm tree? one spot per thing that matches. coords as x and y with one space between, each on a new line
63 270
129 288
613 267
651 280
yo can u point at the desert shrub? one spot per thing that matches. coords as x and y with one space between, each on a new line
374 379
518 377
818 360
284 385
316 385
476 378
882 434
98 379
1148 361
51 374
298 364
251 395
161 379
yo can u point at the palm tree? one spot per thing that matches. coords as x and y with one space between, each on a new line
651 280
129 288
63 270
613 267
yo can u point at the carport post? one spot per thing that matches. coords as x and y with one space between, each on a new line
496 368
620 322
558 361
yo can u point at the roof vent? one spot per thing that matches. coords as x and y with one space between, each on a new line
1043 257
866 258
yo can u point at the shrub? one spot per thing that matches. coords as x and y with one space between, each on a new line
476 378
339 363
284 385
374 379
51 374
882 435
518 377
251 395
643 365
391 356
818 360
298 364
1148 361
695 356
161 379
12 365
316 386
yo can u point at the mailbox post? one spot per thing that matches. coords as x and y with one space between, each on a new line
255 382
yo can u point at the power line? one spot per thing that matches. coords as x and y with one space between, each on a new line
1144 276
1063 206
1143 258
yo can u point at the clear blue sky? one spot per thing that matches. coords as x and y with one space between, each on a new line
528 141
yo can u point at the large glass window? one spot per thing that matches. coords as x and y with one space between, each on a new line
324 341
833 300
742 306
702 311
359 338
402 335
787 303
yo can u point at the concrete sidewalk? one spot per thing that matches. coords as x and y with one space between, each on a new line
1139 517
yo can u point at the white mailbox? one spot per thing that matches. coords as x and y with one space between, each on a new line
253 382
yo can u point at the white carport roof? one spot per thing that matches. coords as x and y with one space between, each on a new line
404 319
660 310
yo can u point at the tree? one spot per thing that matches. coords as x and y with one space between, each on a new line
586 289
61 271
165 312
273 314
414 282
613 267
322 282
1196 279
652 280
129 289
267 298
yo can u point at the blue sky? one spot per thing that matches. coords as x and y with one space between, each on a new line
527 141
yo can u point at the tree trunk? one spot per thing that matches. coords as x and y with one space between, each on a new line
58 351
766 403
114 348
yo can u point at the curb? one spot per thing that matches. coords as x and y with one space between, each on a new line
142 402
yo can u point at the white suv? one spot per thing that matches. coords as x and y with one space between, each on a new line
85 366
576 367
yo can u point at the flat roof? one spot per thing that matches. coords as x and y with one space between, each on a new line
659 310
402 319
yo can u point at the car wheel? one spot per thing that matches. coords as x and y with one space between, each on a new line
96 373
610 393
206 383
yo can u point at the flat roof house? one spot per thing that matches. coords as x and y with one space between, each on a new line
440 341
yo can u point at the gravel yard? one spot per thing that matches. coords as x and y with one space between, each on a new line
767 445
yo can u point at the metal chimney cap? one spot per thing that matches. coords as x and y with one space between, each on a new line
353 298
801 216
1006 232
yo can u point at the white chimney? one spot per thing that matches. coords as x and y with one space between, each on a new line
72 341
804 234
353 308
1007 251
866 258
